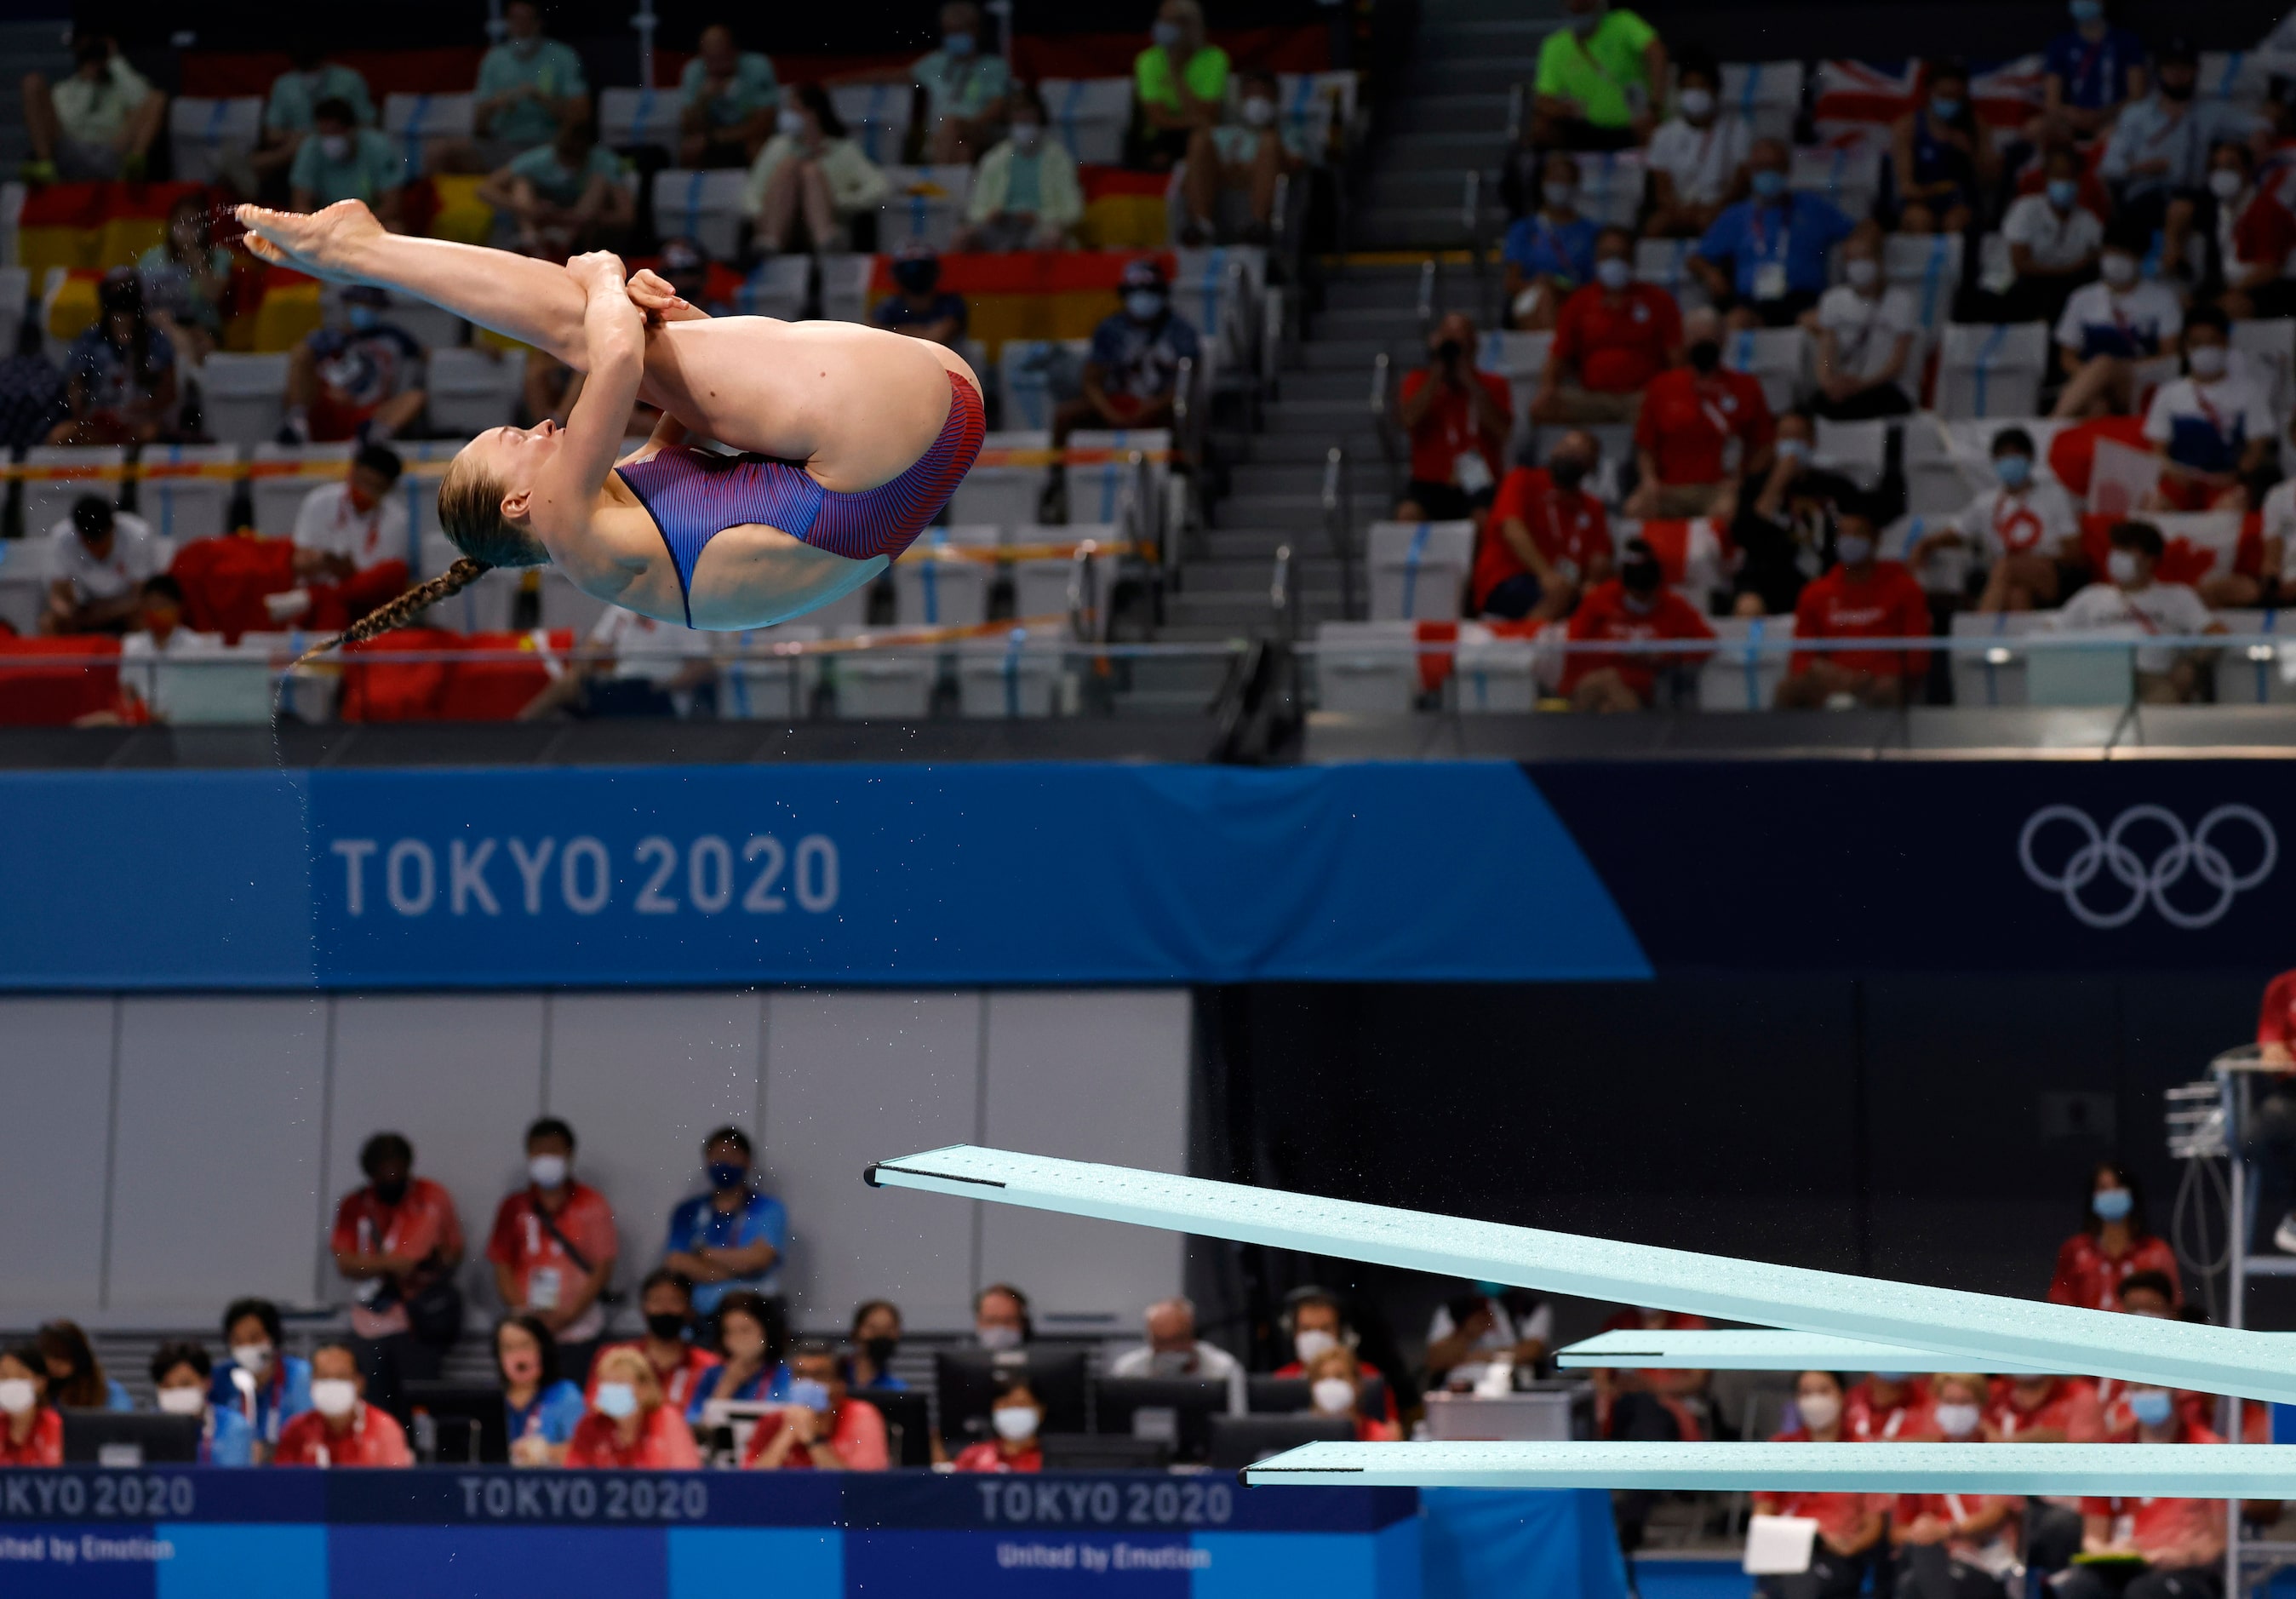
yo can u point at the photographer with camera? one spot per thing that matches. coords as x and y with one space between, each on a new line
398 1241
1457 418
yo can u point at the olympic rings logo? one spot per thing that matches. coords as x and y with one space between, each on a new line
2107 853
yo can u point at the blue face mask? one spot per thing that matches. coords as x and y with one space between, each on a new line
362 318
1167 34
2152 1406
726 1174
2062 191
2113 1204
1945 108
2014 471
2086 10
1769 183
957 44
809 1395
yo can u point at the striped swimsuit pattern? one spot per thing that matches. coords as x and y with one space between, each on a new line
694 495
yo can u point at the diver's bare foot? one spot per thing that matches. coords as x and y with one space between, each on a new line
326 243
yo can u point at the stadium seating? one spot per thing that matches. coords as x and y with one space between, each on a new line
935 584
1849 177
877 116
1496 674
1767 94
759 686
632 119
1002 495
1665 264
779 287
1012 674
185 490
927 207
1994 675
244 398
1991 369
1778 358
68 473
209 138
282 474
1041 583
2255 674
1089 115
472 389
704 206
845 287
1418 570
413 119
1366 668
1031 374
873 686
1747 665
1930 267
1610 186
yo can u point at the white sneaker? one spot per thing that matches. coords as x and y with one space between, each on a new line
2284 1236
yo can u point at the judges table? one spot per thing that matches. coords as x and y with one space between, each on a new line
177 1533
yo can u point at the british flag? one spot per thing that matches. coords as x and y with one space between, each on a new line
1856 99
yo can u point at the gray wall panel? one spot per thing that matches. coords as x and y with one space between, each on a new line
55 1072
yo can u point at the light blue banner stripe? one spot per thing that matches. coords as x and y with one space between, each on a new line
1759 1349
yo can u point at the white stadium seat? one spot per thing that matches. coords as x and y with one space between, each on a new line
425 462
1994 675
1991 369
1610 186
1040 583
185 490
1777 358
883 686
1850 177
2255 674
95 470
1496 675
926 207
1089 115
210 138
702 206
845 287
1418 570
411 118
473 389
1747 665
1930 267
999 494
934 586
243 398
1012 674
876 115
281 475
777 288
628 118
1027 373
1767 94
759 686
1665 264
2270 346
1366 668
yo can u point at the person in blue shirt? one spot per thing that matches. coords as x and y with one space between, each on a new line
1551 252
731 1236
2157 159
2089 73
1775 246
180 1374
876 1336
752 1335
540 1408
75 1378
277 1384
1939 157
1134 370
922 309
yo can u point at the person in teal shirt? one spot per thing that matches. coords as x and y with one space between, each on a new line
566 197
528 85
295 98
1600 77
727 98
965 89
341 160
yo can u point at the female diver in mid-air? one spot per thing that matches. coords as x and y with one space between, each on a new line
852 437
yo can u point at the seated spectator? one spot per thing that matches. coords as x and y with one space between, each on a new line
731 1236
2268 1140
665 1300
965 89
1940 157
344 529
2089 73
1457 418
1702 427
1133 372
76 1379
2157 157
540 1408
120 373
1786 534
2147 1294
1546 539
2024 531
631 1425
186 279
98 562
1776 243
398 1240
2180 1542
2132 602
1551 252
2036 1409
1000 1318
1889 1407
2109 326
1611 337
1849 1525
2114 1242
921 308
342 1429
31 1432
180 1374
751 1332
632 666
874 1338
341 160
1016 1416
1955 1545
567 197
1314 1321
1247 157
2054 240
1491 1322
1025 193
1866 328
1861 598
1697 158
528 85
361 380
823 1428
160 633
1599 78
290 113
1636 604
726 98
1335 1389
33 396
809 172
2255 233
267 1386
1173 1349
552 1247
97 124
2211 428
1179 85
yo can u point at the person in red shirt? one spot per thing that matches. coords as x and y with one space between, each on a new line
2255 233
629 1428
340 1429
1335 1389
1887 1407
1955 1546
1636 604
553 1247
2181 1541
821 1428
1611 338
1314 1321
1016 1416
2114 1244
398 1241
1849 1525
1859 597
666 1299
1546 538
31 1432
2267 1141
1702 427
2045 1410
1457 417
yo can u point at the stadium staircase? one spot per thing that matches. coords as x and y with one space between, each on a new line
25 46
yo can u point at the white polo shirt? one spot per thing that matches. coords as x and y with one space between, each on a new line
134 557
329 522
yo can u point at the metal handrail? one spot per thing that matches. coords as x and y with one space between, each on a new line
1087 625
1383 417
1339 523
1516 105
1471 206
1428 270
1283 596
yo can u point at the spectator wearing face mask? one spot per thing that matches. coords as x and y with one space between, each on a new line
76 1379
2150 1294
2109 326
874 1338
1702 427
341 160
342 1429
1025 193
731 1236
540 1408
186 279
1335 1389
1774 244
1697 158
31 1432
965 87
120 372
2032 1408
290 112
727 99
1546 539
2157 159
1549 253
552 1247
1598 80
33 397
2212 427
823 1427
1889 1407
2254 234
2054 240
1611 337
362 378
2180 1542
180 1374
1000 1318
570 195
1491 1322
398 1242
1866 328
1133 371
1315 1323
99 560
1636 604
267 1386
1956 1546
809 172
2113 1244
2089 73
2024 529
665 1300
1014 1415
529 83
920 306
95 125
1457 418
344 529
2134 604
1179 85
2268 1140
1860 597
1246 156
750 1333
632 1425
1786 534
1940 157
1173 1349
1849 1526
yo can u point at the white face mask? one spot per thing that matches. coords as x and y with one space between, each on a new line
2225 183
619 1400
997 1337
546 1170
2119 270
1855 549
1862 270
1697 104
1027 136
335 147
1957 1420
792 125
1311 1342
2120 566
1333 1396
181 1401
1818 1411
333 1396
1259 112
1560 197
1614 273
1015 1422
18 1394
2206 360
253 1357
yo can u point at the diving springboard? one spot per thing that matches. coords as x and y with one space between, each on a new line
1981 1332
2155 1471
1760 1349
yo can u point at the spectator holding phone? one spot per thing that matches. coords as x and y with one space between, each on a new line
552 1247
398 1240
267 1386
1457 418
750 1332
